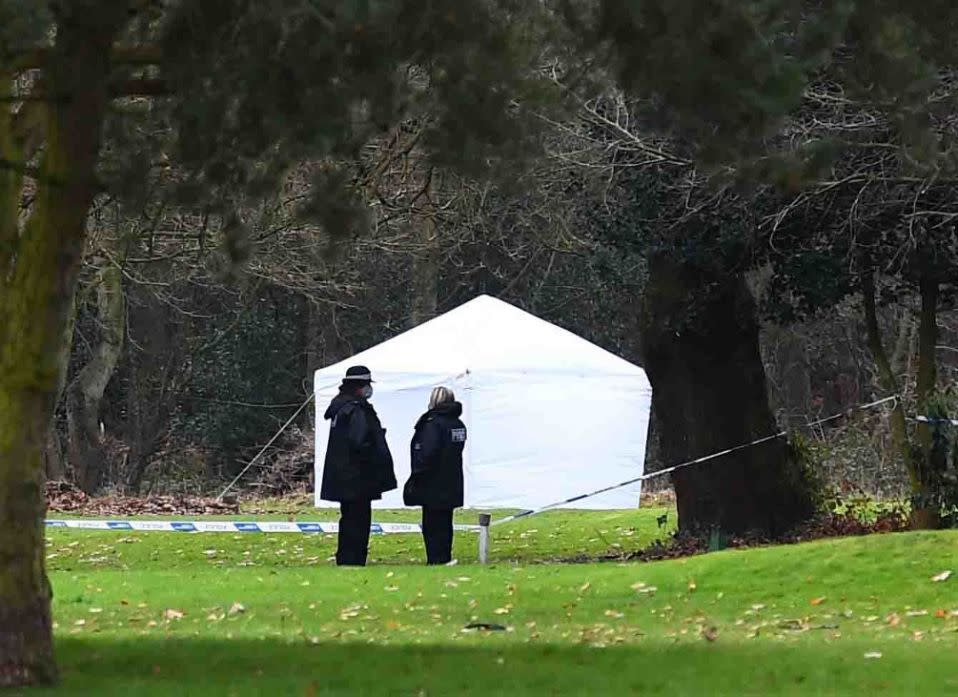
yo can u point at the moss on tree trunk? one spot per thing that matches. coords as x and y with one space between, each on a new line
36 289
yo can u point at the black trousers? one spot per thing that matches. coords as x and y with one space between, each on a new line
353 540
437 534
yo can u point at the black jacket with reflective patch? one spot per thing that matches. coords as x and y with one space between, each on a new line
359 466
436 459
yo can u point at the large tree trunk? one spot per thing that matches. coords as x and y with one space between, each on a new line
85 444
700 340
38 272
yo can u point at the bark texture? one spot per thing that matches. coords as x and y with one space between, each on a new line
700 340
38 270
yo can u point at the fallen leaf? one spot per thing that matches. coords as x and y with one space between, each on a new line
893 620
818 601
613 613
793 625
943 576
79 623
172 614
873 654
916 613
236 609
484 626
941 613
585 586
501 611
96 610
710 634
692 586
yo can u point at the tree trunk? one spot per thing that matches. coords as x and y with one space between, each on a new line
926 513
886 375
53 460
425 265
85 444
700 340
37 277
917 456
927 341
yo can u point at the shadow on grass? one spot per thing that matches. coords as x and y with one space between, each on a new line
104 666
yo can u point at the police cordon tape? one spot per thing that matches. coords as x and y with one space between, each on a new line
231 526
397 528
935 420
689 463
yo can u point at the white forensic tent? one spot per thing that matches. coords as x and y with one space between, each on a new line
549 415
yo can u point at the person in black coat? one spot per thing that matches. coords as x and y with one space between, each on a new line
359 466
436 479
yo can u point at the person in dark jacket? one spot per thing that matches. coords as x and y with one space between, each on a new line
436 479
359 466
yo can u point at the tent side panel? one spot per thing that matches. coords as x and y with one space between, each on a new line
537 440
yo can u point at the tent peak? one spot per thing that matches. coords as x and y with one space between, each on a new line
493 336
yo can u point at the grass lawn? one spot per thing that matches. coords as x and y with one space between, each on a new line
548 536
248 614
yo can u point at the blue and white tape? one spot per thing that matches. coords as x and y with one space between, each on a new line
232 526
399 528
936 420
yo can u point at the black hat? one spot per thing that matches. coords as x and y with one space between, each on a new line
358 373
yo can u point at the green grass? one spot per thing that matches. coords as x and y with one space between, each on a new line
549 536
150 614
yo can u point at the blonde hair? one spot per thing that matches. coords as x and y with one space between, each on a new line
440 395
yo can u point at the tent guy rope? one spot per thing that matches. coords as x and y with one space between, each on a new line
266 447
